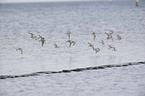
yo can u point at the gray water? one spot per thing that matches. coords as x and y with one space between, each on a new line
124 81
53 21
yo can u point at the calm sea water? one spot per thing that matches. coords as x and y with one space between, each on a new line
124 81
53 20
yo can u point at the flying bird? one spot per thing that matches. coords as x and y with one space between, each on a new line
109 36
110 46
20 50
68 33
56 46
32 36
42 40
74 42
102 42
90 45
97 50
113 48
70 42
119 37
94 34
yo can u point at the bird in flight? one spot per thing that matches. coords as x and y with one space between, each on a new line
32 36
119 37
102 42
90 45
56 46
71 42
42 41
113 48
20 50
109 36
94 34
74 42
68 33
97 50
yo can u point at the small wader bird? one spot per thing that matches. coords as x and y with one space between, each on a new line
20 50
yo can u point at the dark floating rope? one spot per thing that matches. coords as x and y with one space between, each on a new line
72 70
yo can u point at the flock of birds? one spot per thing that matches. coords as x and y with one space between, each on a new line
72 43
40 38
109 37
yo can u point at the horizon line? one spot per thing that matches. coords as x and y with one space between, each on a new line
38 1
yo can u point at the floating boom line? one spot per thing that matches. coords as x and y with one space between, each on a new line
72 70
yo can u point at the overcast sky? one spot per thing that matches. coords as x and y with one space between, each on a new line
13 1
